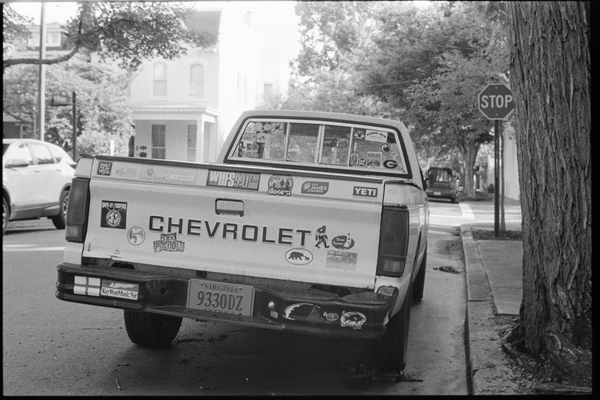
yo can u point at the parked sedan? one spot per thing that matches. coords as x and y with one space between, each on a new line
36 179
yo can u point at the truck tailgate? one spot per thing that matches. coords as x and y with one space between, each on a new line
271 223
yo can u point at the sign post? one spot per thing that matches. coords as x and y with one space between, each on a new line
496 103
63 99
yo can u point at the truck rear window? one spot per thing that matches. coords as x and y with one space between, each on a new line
339 145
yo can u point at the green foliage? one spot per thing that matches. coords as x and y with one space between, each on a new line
129 32
102 111
332 30
13 28
392 59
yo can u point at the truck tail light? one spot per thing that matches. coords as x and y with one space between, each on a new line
393 242
79 197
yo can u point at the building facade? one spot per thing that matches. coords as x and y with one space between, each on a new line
182 109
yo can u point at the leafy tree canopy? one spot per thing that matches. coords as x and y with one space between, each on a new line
127 31
102 111
13 28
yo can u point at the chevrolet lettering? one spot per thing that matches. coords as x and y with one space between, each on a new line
307 222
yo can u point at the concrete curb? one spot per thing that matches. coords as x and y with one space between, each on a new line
489 367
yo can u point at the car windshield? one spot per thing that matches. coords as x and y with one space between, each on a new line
338 145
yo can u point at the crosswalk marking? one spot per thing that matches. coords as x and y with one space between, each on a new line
466 211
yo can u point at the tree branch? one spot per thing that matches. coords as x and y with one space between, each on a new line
37 61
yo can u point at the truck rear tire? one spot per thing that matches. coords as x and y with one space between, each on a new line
419 283
390 349
151 330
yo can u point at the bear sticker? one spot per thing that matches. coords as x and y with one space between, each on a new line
299 256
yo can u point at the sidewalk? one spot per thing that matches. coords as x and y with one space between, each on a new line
493 270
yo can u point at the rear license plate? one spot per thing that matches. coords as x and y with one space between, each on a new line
220 297
437 193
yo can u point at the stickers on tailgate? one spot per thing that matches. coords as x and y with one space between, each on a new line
113 214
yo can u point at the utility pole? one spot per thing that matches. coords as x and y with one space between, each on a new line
42 75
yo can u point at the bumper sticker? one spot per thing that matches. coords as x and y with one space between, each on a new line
303 312
120 290
136 236
298 256
113 214
280 185
341 260
168 242
343 242
353 319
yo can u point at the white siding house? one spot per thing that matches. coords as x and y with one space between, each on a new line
182 109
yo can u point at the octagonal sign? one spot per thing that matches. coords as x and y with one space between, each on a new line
495 101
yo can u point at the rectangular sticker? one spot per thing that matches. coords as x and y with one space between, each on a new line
314 187
364 191
113 214
104 168
376 136
228 179
343 260
121 290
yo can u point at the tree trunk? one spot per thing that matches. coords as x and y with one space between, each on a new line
470 156
550 71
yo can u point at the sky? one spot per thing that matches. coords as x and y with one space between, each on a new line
59 11
55 12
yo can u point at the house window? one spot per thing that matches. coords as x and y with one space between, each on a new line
191 142
197 80
267 91
160 80
158 141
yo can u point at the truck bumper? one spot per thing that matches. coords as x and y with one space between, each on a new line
358 316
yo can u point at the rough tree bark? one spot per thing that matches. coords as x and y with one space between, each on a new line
550 71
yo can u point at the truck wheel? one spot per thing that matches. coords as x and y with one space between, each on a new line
419 283
60 220
390 349
151 330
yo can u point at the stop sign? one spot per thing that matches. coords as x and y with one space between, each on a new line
495 101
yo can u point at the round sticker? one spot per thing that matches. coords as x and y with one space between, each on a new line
390 163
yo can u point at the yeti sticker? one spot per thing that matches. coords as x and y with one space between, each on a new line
299 256
321 237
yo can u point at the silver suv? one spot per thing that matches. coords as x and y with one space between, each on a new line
36 179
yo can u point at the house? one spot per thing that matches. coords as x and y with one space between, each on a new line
182 109
16 125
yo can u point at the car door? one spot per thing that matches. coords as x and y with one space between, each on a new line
47 175
21 181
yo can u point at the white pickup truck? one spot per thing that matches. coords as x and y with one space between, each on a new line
309 222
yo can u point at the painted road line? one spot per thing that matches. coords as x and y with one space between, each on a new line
21 247
466 211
